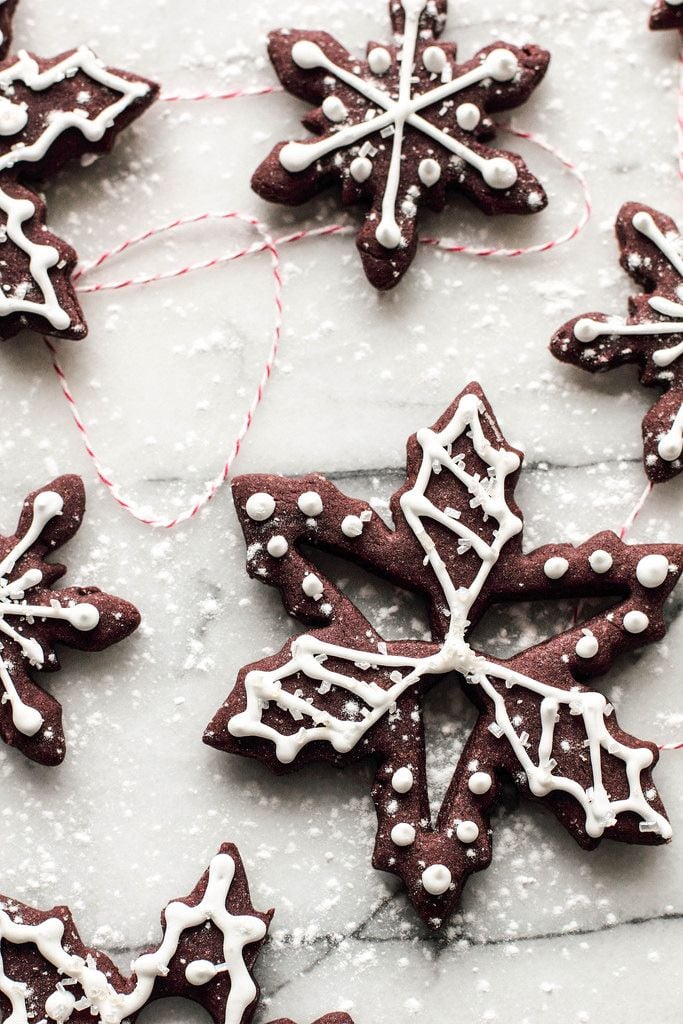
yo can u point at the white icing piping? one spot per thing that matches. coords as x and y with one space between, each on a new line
497 172
83 616
43 257
587 330
108 1006
309 653
670 446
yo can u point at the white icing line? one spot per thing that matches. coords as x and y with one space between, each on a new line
587 330
18 211
645 224
84 616
298 156
309 654
108 1006
667 356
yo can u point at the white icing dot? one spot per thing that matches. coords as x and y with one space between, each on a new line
334 109
199 972
636 622
260 506
434 60
586 331
467 831
587 646
83 616
555 568
643 222
352 526
502 65
48 504
499 173
60 1005
312 586
403 834
670 447
13 116
480 783
310 503
379 60
429 172
468 116
307 55
28 721
652 570
601 561
388 234
402 780
436 879
277 546
360 169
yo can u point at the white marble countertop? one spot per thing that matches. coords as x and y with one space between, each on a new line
549 933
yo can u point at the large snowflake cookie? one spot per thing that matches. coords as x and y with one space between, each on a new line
210 943
667 14
651 337
34 618
51 111
341 692
398 129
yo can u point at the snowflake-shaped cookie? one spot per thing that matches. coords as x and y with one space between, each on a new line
34 618
51 111
211 940
400 128
667 14
652 336
341 692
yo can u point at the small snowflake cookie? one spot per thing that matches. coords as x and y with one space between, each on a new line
211 940
341 692
399 129
51 111
667 14
651 336
34 618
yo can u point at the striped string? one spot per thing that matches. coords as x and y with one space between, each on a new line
264 243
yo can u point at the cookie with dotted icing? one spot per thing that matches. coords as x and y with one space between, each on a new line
51 112
211 940
667 14
651 336
401 129
35 618
341 692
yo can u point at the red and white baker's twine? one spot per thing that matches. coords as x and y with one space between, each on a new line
265 244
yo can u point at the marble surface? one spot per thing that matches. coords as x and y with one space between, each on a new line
548 933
